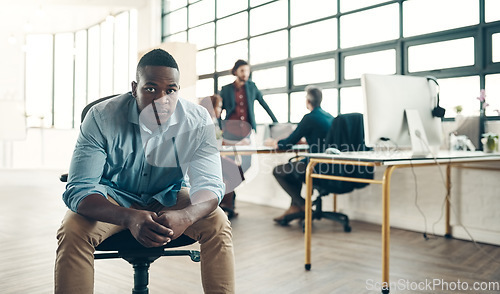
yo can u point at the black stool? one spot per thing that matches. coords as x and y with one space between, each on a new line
124 245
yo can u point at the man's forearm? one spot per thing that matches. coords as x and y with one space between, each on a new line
99 208
203 202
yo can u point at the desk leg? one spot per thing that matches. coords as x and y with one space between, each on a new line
308 213
386 227
447 208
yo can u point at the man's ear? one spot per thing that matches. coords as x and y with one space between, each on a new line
134 88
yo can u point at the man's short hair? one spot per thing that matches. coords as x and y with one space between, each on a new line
156 57
315 96
237 64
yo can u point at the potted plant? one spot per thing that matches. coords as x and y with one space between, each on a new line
490 142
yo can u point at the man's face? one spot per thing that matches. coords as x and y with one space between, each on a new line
156 93
243 73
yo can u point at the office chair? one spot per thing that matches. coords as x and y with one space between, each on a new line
124 245
345 134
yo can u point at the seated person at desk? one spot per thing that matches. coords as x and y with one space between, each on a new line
232 173
314 126
128 172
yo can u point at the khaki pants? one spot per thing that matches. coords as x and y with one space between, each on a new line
78 236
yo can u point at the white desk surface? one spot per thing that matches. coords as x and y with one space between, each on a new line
404 157
263 149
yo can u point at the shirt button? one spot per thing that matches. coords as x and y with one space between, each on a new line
241 96
242 117
241 103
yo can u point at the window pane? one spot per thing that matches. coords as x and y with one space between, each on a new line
459 91
348 5
269 17
493 94
169 5
381 62
63 80
121 54
351 100
302 11
491 10
330 101
202 36
175 22
179 37
106 84
278 104
375 25
204 88
228 54
39 78
439 15
93 66
439 55
80 74
303 37
270 78
232 28
496 47
226 7
201 12
314 72
270 47
205 61
254 3
298 106
225 80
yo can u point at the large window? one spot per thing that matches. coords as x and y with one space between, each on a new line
293 43
66 71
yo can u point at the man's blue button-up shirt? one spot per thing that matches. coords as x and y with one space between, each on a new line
116 155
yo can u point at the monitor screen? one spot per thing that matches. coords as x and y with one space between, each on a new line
393 100
279 131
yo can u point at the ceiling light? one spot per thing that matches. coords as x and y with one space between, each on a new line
40 12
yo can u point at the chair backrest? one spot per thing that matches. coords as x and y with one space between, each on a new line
87 108
346 134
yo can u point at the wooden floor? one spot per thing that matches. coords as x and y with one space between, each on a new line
269 258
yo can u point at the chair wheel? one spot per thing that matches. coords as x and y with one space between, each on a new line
347 229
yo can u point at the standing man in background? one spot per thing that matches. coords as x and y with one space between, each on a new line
238 100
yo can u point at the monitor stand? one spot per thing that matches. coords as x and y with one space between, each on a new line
419 143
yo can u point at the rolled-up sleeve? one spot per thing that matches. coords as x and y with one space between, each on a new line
204 170
87 163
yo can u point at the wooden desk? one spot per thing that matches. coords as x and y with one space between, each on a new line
391 162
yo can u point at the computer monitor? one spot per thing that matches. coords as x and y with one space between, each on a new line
279 131
398 109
